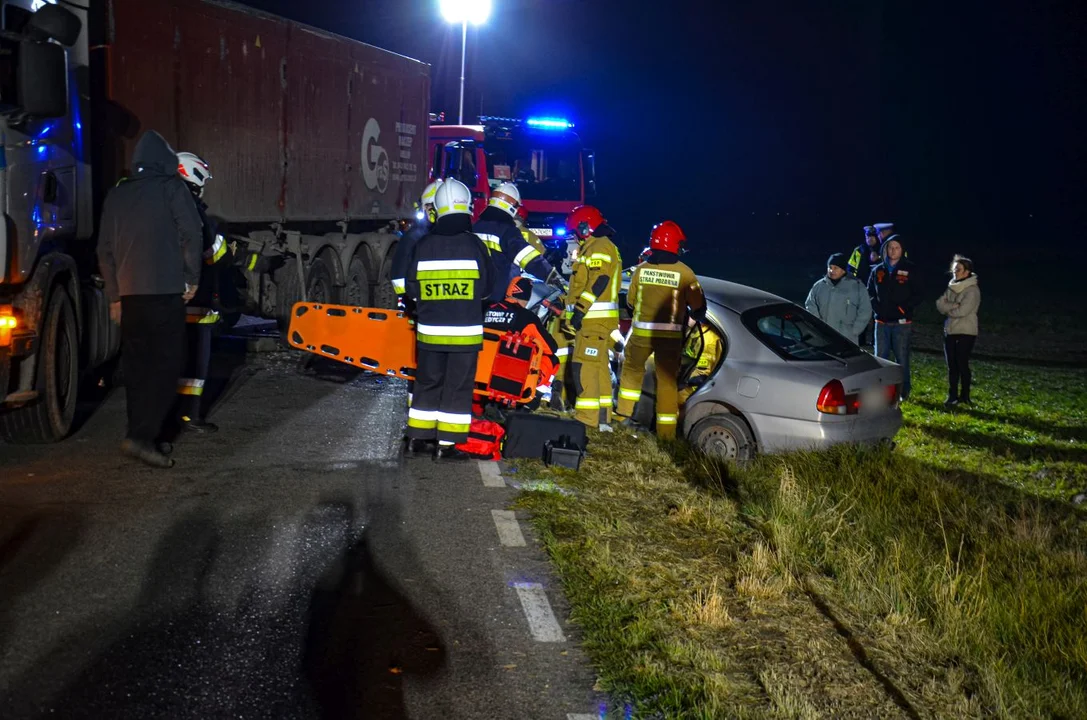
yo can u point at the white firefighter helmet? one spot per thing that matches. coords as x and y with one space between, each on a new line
427 198
192 169
506 197
452 198
425 208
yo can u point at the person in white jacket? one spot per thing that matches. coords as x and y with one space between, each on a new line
840 300
960 303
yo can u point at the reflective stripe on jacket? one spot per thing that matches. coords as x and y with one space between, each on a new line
659 296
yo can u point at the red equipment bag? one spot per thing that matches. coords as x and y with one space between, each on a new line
484 440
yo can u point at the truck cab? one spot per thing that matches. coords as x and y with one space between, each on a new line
46 257
543 156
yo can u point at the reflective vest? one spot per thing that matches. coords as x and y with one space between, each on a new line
659 296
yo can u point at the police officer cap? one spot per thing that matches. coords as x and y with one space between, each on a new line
884 227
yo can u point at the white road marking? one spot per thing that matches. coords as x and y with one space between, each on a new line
541 619
581 716
509 532
488 470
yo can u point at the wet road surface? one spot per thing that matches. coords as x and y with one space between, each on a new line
291 566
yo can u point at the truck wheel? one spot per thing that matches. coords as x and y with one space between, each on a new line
49 418
320 287
357 292
723 436
384 295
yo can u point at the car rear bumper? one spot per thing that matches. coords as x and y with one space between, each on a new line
777 434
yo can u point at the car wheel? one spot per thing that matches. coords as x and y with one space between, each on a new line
723 436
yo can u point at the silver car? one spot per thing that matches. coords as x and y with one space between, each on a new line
785 381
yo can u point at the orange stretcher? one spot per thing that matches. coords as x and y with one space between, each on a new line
383 341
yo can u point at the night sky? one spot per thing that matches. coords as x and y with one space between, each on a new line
774 129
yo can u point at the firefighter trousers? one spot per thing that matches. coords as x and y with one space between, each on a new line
194 374
562 396
441 407
591 372
667 353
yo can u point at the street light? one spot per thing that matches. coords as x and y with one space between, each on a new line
464 12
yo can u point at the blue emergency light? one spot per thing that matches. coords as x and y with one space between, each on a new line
546 123
560 232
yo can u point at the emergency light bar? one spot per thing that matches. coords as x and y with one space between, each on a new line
538 123
545 123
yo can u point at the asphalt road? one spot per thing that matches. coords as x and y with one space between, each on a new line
291 566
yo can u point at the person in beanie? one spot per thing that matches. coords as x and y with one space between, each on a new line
960 303
896 292
840 300
447 280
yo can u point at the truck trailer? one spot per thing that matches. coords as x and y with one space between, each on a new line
317 146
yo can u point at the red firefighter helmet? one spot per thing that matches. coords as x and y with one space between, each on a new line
584 220
667 236
644 255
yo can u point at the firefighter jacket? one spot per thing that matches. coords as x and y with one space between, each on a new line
509 250
704 349
660 294
215 255
594 284
447 279
402 255
503 317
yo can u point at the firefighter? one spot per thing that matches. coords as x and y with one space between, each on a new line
512 315
424 221
201 313
447 280
663 293
592 314
511 254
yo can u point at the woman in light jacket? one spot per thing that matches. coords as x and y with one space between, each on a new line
960 303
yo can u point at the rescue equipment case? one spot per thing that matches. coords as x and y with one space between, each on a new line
528 434
563 453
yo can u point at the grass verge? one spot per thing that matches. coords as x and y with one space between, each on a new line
943 579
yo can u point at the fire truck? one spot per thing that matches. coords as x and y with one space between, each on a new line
542 155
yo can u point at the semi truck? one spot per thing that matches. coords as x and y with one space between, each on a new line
317 146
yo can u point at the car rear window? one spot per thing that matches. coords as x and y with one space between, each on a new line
795 334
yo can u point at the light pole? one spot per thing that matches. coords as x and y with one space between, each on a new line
464 12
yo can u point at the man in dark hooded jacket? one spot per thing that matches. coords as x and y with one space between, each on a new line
149 254
896 292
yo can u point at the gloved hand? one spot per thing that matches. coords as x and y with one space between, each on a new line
555 306
577 319
698 381
567 329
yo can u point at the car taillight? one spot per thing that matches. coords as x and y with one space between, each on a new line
892 395
833 400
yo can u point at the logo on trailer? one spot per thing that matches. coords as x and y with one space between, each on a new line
375 161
